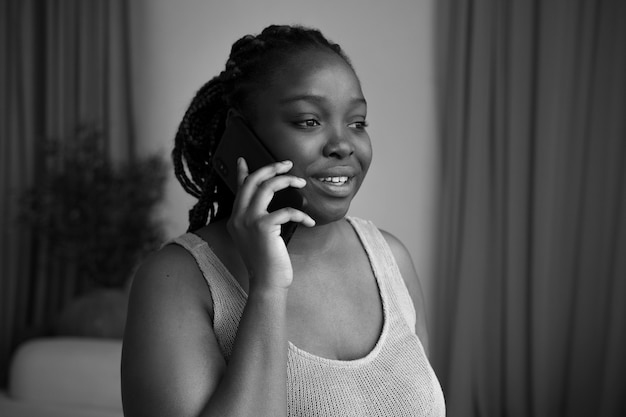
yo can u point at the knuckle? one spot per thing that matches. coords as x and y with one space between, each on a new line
292 211
265 186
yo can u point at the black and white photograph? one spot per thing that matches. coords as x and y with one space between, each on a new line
279 208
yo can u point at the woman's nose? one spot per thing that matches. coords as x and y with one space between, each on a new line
338 145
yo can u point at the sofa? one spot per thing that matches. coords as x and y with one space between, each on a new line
64 377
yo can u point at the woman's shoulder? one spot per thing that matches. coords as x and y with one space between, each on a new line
398 249
405 263
409 274
171 260
177 258
170 274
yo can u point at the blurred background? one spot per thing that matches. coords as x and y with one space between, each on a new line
499 139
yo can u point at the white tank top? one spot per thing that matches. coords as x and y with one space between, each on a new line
394 379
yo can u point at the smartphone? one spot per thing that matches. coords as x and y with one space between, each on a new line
238 140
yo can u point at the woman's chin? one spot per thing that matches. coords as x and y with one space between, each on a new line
327 216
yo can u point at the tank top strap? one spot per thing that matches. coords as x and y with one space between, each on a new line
229 298
384 264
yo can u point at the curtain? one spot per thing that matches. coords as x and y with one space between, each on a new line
65 65
530 316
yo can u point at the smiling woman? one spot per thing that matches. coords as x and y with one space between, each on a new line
313 113
230 320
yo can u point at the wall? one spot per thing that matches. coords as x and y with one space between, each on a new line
177 46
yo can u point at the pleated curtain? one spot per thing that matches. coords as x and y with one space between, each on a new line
530 309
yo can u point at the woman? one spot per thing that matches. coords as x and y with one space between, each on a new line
228 320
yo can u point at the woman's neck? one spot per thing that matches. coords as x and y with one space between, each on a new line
307 241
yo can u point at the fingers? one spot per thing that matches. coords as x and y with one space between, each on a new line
290 214
242 171
267 190
257 189
277 218
262 174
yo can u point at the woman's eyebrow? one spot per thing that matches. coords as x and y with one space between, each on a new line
315 98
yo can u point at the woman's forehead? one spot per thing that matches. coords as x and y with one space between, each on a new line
312 74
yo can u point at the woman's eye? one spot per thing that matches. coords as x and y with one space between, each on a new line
308 123
359 125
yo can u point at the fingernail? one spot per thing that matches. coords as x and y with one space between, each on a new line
287 162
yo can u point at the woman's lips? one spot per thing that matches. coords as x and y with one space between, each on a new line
334 180
338 186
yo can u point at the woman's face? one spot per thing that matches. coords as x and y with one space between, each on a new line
313 113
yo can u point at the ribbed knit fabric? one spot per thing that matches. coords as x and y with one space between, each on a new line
394 379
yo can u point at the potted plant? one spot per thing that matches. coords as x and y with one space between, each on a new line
99 217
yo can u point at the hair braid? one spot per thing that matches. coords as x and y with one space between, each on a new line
195 142
251 59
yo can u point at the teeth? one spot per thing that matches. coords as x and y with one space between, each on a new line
334 180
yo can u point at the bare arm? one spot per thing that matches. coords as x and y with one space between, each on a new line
407 269
171 362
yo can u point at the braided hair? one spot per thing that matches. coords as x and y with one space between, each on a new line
251 60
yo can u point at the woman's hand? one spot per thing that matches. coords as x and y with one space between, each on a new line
256 232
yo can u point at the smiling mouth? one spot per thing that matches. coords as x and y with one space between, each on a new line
334 180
